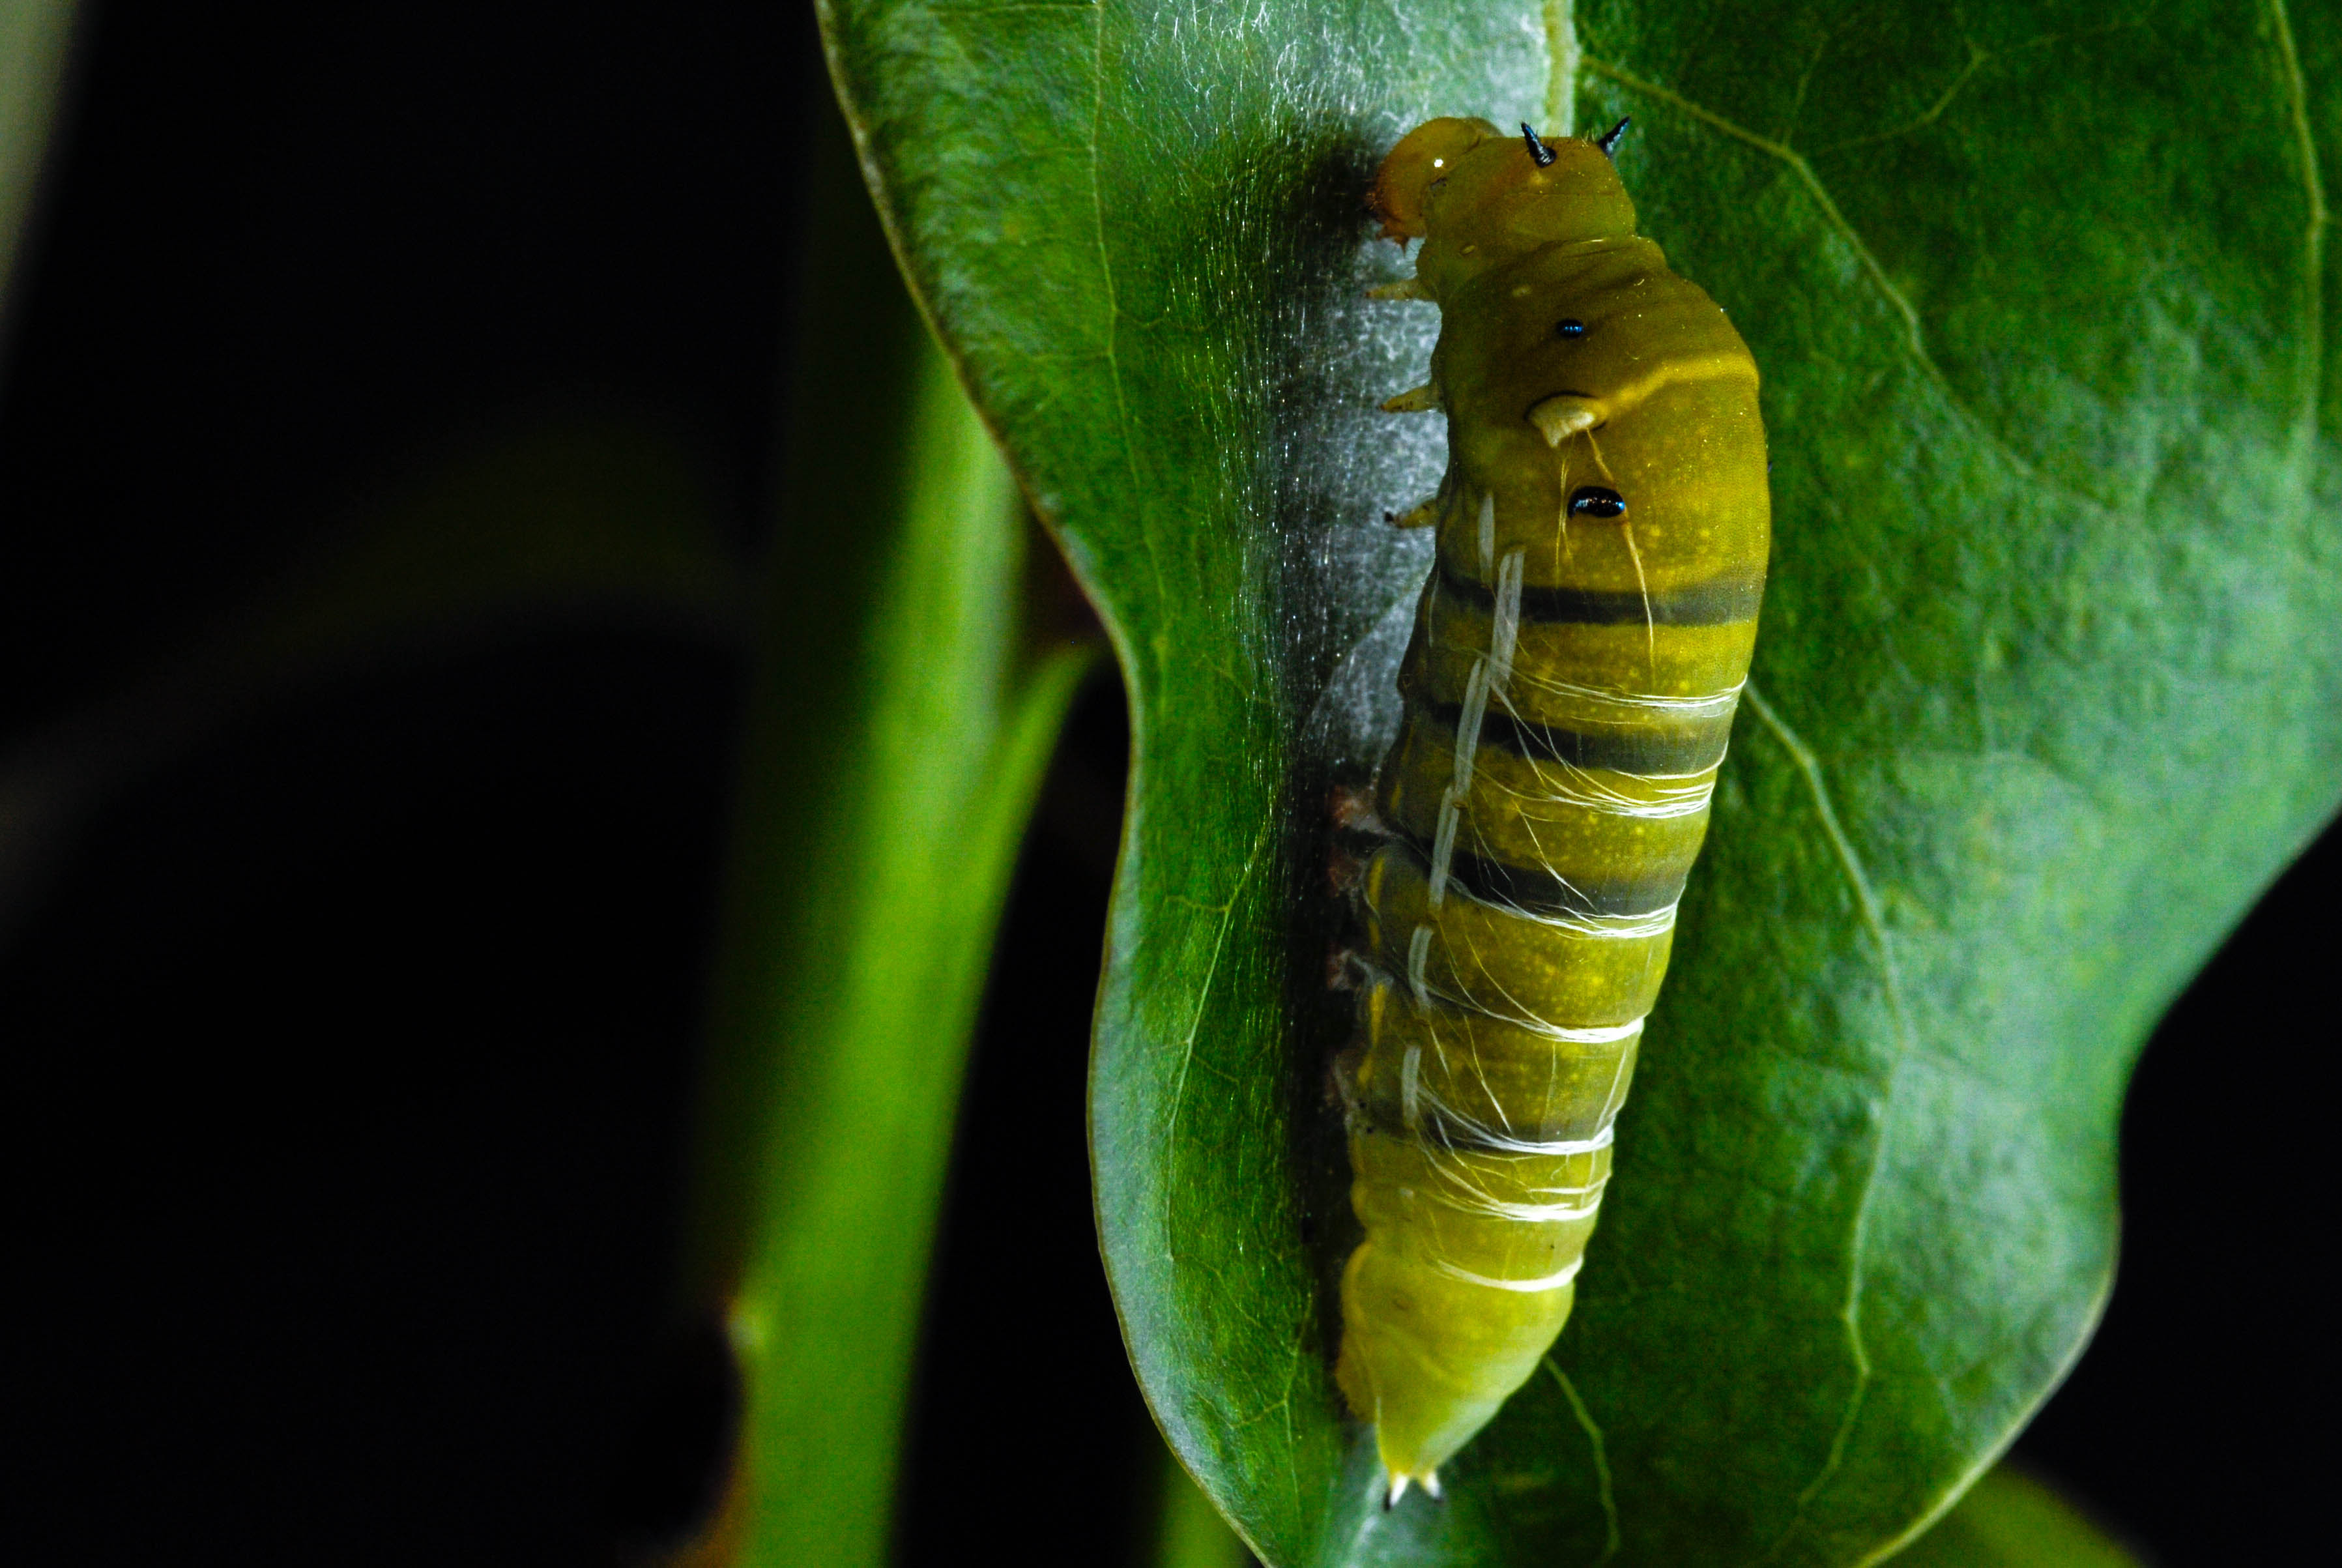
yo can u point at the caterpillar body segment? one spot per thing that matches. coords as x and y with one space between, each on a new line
1577 655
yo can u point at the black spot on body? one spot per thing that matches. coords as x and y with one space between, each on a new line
1571 328
1596 501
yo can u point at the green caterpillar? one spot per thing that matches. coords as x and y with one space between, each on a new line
1577 655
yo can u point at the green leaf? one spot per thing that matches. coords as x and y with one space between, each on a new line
34 35
901 716
2047 687
2007 1520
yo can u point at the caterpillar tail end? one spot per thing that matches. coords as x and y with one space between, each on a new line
1430 1358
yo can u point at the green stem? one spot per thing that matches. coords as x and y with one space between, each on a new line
899 726
1189 1530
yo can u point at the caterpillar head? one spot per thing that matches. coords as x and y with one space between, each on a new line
1472 191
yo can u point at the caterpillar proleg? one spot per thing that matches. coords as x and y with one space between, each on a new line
1577 654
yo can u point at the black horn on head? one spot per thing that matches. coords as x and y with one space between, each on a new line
1608 140
1538 150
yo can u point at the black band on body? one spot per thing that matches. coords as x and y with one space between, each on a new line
1719 602
1538 890
1685 747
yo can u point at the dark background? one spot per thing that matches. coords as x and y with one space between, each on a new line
348 1046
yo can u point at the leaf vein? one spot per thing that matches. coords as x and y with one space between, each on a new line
1228 916
1978 58
2313 328
1106 276
1866 902
1915 342
1601 1488
1562 61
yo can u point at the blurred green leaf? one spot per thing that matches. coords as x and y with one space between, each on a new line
572 518
34 35
904 713
2050 685
576 515
2009 1520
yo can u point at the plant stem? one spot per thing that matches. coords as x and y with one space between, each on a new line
900 724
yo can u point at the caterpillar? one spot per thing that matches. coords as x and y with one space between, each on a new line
1578 653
